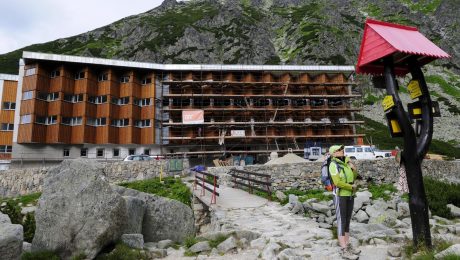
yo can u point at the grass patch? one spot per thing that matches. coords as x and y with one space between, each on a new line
25 199
424 253
379 191
306 195
44 255
447 88
172 188
219 239
190 241
439 194
122 252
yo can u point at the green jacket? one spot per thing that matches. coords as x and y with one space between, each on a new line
344 178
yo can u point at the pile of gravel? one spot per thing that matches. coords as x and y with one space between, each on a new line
288 158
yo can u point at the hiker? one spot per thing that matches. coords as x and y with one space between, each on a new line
343 174
402 182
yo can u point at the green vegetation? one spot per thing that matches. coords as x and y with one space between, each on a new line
13 210
439 194
29 227
424 253
309 194
380 191
452 89
370 99
122 252
170 188
43 255
424 6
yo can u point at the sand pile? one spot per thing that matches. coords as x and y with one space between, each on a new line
288 158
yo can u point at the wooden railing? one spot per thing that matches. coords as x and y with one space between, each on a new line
252 180
208 182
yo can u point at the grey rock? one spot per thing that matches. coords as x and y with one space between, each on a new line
452 250
243 243
227 245
78 212
361 216
319 207
403 210
4 219
325 225
150 246
368 231
270 251
164 244
280 195
362 198
259 243
215 235
164 218
388 218
158 253
26 210
298 208
214 252
288 254
246 234
454 210
376 209
26 247
135 209
293 199
11 239
200 247
394 251
133 240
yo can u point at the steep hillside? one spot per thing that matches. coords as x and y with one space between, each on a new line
273 32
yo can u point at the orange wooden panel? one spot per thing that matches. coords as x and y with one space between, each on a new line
136 112
103 110
102 134
90 110
40 107
136 135
147 112
78 134
65 134
113 134
304 78
29 83
52 133
66 109
147 135
90 134
27 106
6 137
103 87
54 107
39 133
9 91
25 133
7 116
321 78
147 91
125 135
286 77
79 109
125 111
43 83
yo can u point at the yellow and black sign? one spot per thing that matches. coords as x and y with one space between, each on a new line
388 102
415 110
393 125
414 89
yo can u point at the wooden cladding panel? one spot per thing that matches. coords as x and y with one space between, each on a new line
52 133
9 91
90 110
147 112
40 107
39 133
89 134
78 134
125 135
79 109
136 135
7 116
67 109
6 137
103 110
122 111
25 133
107 88
148 91
54 108
102 134
65 134
113 134
147 135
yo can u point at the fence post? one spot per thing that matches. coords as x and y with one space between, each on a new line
213 197
202 185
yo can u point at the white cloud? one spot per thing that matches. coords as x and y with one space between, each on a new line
26 22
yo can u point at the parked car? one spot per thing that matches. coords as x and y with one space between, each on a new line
381 154
360 152
157 157
141 157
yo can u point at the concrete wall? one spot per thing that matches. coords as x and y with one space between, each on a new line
24 181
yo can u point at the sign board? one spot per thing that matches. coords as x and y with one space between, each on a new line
238 133
192 117
388 102
414 89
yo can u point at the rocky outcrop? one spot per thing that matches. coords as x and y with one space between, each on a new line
11 239
78 212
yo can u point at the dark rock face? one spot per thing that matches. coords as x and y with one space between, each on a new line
78 211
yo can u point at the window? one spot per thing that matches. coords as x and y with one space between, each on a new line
26 119
71 121
120 122
48 96
147 151
368 150
6 148
7 127
146 81
349 150
120 101
66 152
27 95
143 123
46 120
103 77
30 71
142 102
80 75
124 79
100 152
84 152
73 98
131 151
96 121
97 99
359 150
55 73
9 105
116 152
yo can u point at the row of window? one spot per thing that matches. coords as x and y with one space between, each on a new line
100 152
82 74
9 105
6 149
72 121
79 98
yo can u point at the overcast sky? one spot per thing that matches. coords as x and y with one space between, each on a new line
26 22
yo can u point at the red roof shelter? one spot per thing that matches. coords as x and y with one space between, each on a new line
382 39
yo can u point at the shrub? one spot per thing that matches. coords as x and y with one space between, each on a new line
122 252
439 194
13 211
219 239
378 191
29 227
43 255
190 241
309 194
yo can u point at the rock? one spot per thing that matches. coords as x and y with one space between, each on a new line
319 207
26 210
378 241
376 209
368 231
227 245
287 254
403 210
200 247
362 198
214 252
452 250
163 244
361 216
388 218
150 246
243 243
11 239
259 243
78 212
135 209
158 253
293 199
280 195
394 251
164 218
270 250
133 240
26 247
215 235
298 208
248 235
454 210
4 219
325 225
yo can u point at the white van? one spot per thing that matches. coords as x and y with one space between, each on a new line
359 152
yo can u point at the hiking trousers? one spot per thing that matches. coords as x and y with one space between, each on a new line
343 212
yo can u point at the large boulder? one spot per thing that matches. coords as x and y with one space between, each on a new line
135 209
11 238
164 218
78 212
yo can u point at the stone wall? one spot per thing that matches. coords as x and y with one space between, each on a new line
305 176
29 180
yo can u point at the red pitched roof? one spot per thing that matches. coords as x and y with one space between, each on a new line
382 39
